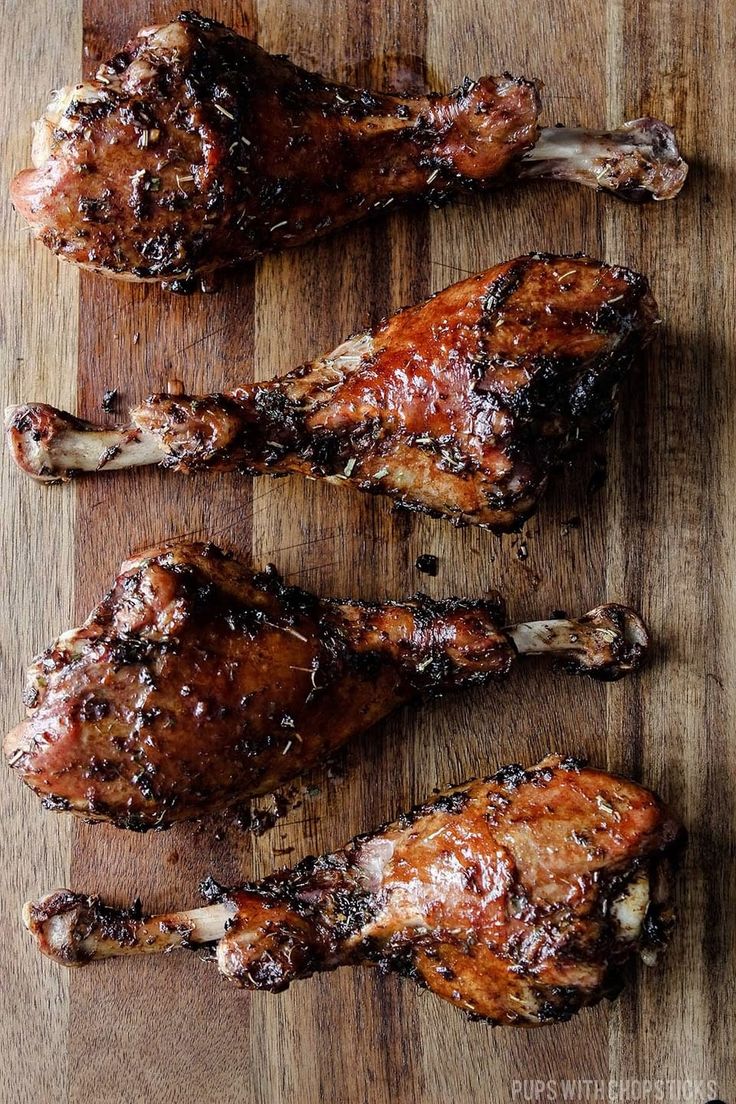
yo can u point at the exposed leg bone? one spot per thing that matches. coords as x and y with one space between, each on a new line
73 929
607 642
638 162
52 446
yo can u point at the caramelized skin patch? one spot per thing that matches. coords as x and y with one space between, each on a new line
518 898
196 683
195 149
459 407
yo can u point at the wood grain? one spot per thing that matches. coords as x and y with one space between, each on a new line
657 535
37 580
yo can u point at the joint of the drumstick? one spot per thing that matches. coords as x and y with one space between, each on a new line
32 432
607 643
639 161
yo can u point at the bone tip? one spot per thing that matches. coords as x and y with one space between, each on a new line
60 924
628 646
667 169
29 431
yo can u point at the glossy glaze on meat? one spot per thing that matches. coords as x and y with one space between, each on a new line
193 150
196 682
460 407
519 899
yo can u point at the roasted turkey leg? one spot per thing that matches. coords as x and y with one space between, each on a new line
459 407
194 150
518 898
196 683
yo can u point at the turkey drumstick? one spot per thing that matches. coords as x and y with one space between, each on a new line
196 683
194 149
518 898
459 407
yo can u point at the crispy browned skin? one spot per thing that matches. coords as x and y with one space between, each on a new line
197 682
197 149
519 899
459 407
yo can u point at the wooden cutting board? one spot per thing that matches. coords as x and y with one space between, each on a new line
658 534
